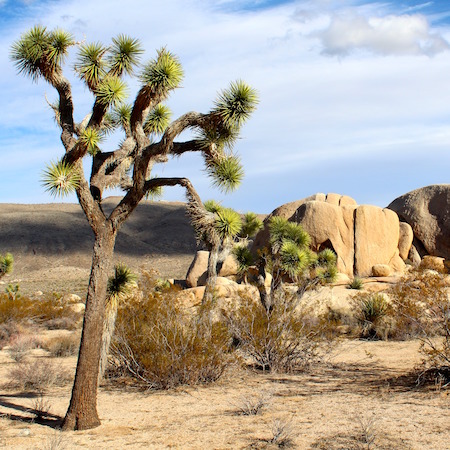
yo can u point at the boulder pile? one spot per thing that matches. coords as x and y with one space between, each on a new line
362 236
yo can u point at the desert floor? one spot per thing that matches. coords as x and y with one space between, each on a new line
361 398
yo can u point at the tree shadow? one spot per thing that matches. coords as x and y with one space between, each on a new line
33 415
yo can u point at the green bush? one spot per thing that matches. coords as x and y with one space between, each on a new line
157 342
371 313
356 283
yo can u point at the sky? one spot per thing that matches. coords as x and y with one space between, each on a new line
354 94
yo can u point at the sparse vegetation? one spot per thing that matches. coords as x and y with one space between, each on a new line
161 345
357 283
422 309
37 375
49 311
281 339
61 346
372 311
252 405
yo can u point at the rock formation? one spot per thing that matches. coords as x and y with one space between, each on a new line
427 211
361 236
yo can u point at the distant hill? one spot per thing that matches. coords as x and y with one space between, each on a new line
47 237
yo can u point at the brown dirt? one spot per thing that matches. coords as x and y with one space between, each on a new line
363 388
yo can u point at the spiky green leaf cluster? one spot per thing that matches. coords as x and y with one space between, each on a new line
158 120
212 206
121 115
40 52
90 64
91 139
221 136
326 257
111 91
293 259
123 55
236 103
60 179
163 73
244 258
226 172
281 230
228 223
251 225
6 264
121 283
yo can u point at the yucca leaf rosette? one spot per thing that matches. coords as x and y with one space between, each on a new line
60 179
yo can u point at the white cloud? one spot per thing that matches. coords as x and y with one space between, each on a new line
388 35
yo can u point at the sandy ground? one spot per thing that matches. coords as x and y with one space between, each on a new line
360 394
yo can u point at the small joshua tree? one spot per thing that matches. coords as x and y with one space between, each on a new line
149 138
286 257
6 264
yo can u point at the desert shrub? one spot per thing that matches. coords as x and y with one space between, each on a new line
357 283
371 312
252 405
38 375
422 309
280 339
61 346
50 310
21 345
159 344
8 331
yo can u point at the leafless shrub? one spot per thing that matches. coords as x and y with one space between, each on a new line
61 346
161 346
8 331
41 407
282 433
251 405
55 442
422 309
368 432
37 375
21 345
281 339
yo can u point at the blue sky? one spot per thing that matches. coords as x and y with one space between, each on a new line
354 95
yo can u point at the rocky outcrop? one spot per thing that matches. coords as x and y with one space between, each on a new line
427 211
361 236
196 274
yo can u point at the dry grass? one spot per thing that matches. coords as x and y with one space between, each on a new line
37 375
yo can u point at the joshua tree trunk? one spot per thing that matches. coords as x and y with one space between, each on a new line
211 274
108 331
82 413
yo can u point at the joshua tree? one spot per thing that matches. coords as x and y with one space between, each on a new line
148 139
287 256
6 264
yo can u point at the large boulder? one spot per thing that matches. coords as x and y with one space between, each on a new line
377 233
427 210
196 274
330 226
